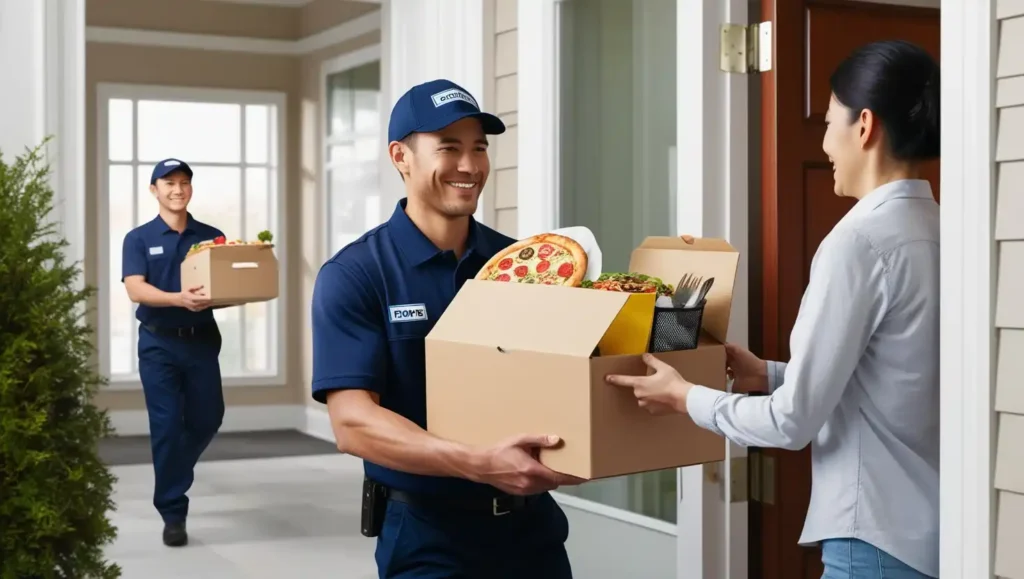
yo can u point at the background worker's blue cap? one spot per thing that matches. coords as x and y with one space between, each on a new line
434 105
168 166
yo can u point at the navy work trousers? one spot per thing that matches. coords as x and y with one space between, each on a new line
438 543
185 401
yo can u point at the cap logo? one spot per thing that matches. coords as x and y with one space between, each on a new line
451 95
171 163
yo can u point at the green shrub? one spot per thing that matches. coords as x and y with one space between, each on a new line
54 490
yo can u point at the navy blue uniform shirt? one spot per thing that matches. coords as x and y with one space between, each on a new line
156 251
373 304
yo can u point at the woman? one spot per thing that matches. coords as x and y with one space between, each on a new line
862 383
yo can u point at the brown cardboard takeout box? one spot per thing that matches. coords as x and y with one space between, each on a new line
508 359
233 274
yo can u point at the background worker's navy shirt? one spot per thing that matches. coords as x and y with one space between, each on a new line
156 251
373 304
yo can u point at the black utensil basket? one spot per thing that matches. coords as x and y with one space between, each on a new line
676 328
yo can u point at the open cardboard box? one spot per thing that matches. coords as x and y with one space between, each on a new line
507 359
233 274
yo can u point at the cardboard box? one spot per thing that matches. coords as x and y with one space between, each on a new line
233 274
507 359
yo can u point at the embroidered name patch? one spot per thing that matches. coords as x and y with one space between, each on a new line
451 95
156 250
407 313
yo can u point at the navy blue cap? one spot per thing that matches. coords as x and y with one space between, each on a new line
168 166
434 105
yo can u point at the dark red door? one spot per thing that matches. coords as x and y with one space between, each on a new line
798 208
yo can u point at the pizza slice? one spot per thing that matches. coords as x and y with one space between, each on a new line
547 259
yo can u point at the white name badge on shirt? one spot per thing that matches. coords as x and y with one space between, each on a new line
159 250
407 313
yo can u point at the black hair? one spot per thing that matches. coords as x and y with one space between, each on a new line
899 82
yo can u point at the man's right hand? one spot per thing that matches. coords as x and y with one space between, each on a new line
749 373
193 299
512 467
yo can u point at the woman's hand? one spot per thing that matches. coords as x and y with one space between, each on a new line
662 392
748 372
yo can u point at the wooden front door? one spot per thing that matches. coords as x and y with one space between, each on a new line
798 208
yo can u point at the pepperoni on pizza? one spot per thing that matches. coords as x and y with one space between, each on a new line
547 259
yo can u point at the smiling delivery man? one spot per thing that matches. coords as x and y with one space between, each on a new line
438 508
179 343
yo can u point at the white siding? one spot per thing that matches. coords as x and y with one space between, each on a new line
501 94
1009 315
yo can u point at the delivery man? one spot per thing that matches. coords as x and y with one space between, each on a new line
179 343
438 508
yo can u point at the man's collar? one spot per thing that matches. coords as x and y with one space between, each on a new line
158 221
418 249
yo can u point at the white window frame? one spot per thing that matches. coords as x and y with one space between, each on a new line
107 91
342 63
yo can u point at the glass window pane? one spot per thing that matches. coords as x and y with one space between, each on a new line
257 125
353 100
339 103
120 193
217 198
147 205
353 197
257 202
618 127
197 132
273 137
257 351
120 136
231 349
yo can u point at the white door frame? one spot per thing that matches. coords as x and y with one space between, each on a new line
967 342
712 158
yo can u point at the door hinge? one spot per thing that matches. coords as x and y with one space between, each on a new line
746 48
762 477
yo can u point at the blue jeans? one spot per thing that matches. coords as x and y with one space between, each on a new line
855 559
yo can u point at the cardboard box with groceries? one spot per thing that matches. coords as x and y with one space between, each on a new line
525 358
232 272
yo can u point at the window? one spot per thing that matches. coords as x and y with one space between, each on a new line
618 132
353 145
231 141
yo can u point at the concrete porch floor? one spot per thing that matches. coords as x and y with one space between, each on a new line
249 519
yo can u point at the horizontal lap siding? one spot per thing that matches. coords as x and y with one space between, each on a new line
504 180
1009 317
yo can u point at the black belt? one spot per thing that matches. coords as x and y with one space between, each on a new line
495 506
201 331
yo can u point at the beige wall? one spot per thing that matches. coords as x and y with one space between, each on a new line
1009 320
296 77
501 63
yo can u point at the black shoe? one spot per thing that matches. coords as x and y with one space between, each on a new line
175 534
